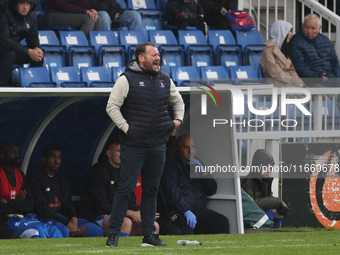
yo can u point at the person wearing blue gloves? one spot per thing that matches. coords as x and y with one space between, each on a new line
186 196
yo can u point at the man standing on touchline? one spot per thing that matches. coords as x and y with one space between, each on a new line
138 105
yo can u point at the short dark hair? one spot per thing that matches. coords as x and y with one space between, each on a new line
48 148
140 48
111 141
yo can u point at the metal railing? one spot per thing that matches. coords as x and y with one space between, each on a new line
265 12
253 131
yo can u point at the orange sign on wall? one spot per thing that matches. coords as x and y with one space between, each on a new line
312 188
324 189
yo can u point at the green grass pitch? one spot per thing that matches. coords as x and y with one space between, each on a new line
292 242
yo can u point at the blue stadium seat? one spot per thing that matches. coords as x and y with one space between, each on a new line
226 50
112 56
251 37
252 45
48 37
171 53
244 75
80 53
73 39
185 75
166 69
162 37
108 51
35 77
67 76
172 56
54 56
151 16
99 39
130 39
199 53
220 37
142 4
229 55
191 38
214 74
122 4
254 54
116 72
97 76
54 53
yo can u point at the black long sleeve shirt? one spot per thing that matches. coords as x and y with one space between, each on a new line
51 196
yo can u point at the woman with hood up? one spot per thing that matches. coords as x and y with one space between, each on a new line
18 22
258 185
275 62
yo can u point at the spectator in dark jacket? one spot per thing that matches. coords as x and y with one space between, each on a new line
258 185
215 10
187 13
312 53
187 196
18 22
73 13
53 200
100 186
112 13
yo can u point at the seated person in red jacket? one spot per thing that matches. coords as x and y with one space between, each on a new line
187 196
100 186
12 188
53 200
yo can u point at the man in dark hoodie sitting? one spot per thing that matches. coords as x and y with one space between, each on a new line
18 22
258 185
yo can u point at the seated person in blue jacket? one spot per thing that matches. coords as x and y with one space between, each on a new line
188 196
313 54
53 200
258 185
15 200
100 186
18 22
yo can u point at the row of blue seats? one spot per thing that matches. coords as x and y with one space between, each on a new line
99 76
108 48
184 76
